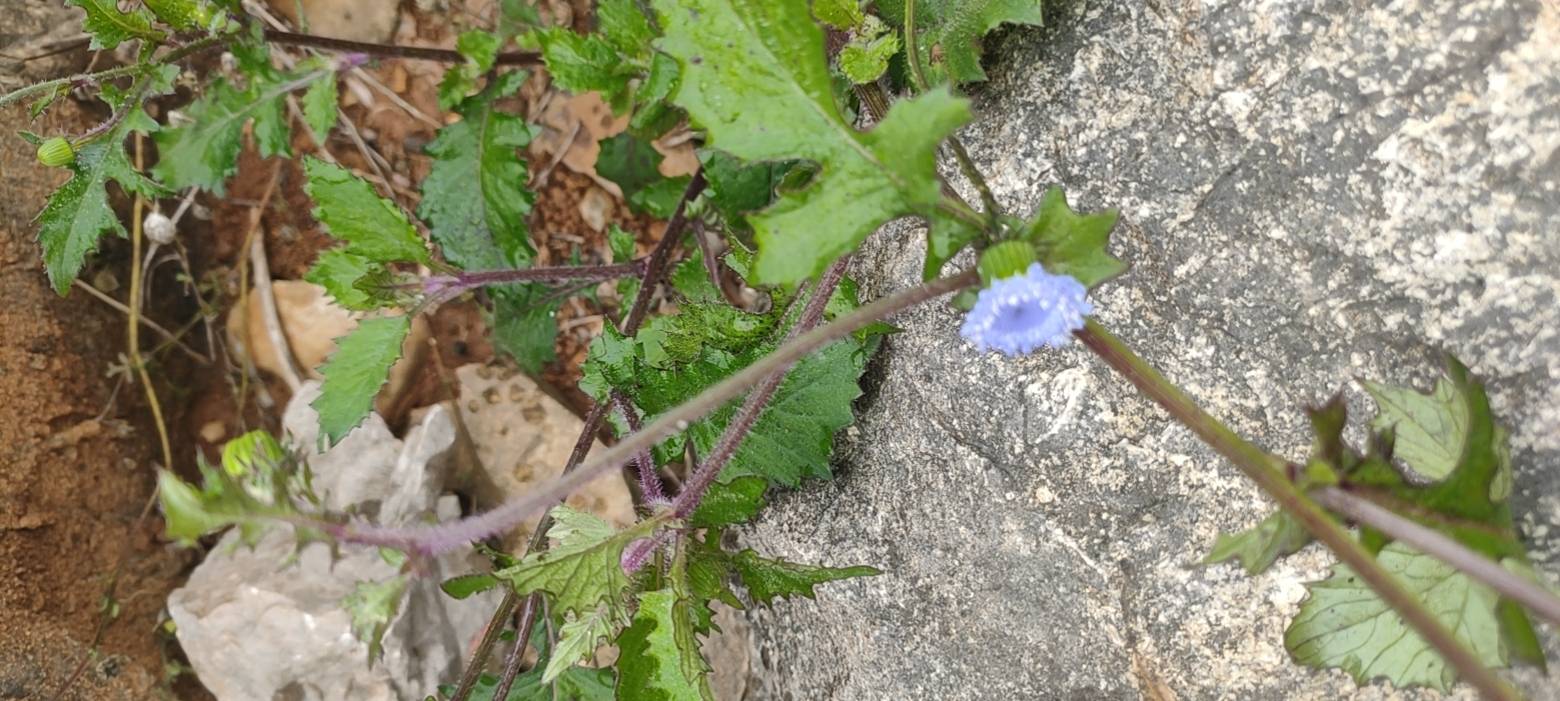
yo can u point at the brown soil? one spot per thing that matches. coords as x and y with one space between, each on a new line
76 470
79 458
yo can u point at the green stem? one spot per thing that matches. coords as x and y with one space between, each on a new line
912 52
180 53
1259 466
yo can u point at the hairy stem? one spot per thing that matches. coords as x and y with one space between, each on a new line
451 285
757 400
912 52
1528 593
650 487
1259 466
440 538
509 58
178 54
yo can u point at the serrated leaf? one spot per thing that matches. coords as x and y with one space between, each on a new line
77 214
372 226
659 658
1428 430
581 64
356 371
1073 244
577 639
1345 624
756 79
1260 546
319 106
523 326
372 605
625 27
949 31
839 14
338 271
653 115
179 14
187 515
865 60
737 501
582 571
474 198
767 579
479 47
794 436
110 27
204 153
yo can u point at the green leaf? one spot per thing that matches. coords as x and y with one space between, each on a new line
839 14
372 226
339 271
319 105
577 639
1072 244
204 153
523 326
474 198
767 579
582 571
581 64
110 27
1428 430
187 512
653 115
948 32
1260 546
372 605
78 213
180 14
465 585
252 453
865 60
356 371
634 165
575 684
793 438
737 188
659 658
479 47
737 501
1344 624
755 78
625 27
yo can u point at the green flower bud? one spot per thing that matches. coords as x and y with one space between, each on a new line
56 152
1004 260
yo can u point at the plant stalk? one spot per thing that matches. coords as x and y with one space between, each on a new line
1438 545
440 538
422 53
1258 465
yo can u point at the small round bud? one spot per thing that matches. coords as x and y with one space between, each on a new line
56 152
159 228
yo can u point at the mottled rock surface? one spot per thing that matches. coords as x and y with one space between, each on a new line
258 624
1310 192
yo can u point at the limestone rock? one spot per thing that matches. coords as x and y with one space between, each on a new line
256 626
1310 192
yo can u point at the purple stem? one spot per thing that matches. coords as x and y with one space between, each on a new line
444 537
1530 594
654 269
650 488
448 286
757 400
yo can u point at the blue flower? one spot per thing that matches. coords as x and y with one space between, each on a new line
1018 314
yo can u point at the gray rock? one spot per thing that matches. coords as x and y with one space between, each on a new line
1311 192
258 625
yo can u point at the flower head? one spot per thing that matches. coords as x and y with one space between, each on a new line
1018 314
